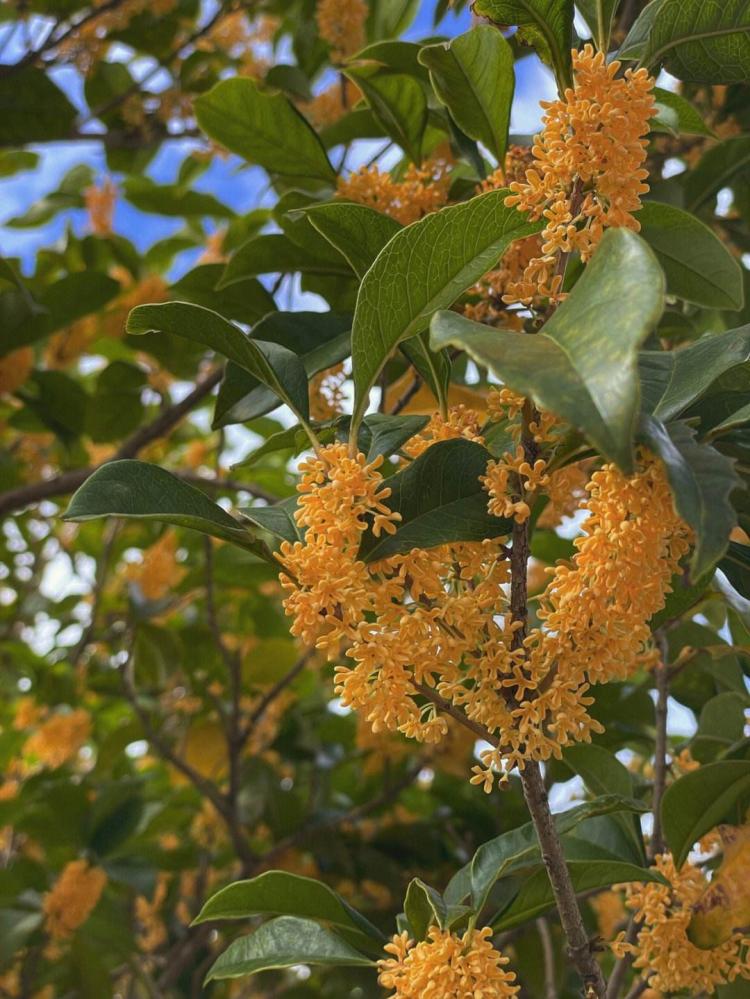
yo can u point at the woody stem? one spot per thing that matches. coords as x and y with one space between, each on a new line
535 793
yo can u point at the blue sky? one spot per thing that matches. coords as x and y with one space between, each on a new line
241 188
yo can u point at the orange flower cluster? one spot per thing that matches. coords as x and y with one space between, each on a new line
329 106
327 396
446 966
100 204
423 190
73 898
59 738
159 571
669 961
341 23
15 368
588 169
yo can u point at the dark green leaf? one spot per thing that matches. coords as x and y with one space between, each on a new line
388 433
423 907
278 519
278 893
32 108
536 897
545 24
284 943
702 481
598 15
582 365
720 726
244 301
699 801
440 499
698 265
115 409
276 253
171 199
273 365
676 115
135 489
673 380
473 76
358 232
701 42
398 103
263 128
717 168
426 267
736 567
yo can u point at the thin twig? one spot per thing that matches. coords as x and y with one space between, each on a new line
273 692
408 395
621 968
68 482
661 674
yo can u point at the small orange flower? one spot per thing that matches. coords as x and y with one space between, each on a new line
73 898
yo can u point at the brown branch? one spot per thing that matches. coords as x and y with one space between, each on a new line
579 946
408 395
450 709
68 482
621 968
272 693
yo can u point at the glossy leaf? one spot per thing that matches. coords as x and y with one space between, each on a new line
699 801
598 15
399 104
473 76
697 264
701 42
136 489
716 168
536 897
440 499
675 114
264 128
702 480
673 380
279 893
582 365
423 907
545 24
277 519
426 267
284 943
358 232
273 365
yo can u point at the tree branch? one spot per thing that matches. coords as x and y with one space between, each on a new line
661 675
548 952
68 482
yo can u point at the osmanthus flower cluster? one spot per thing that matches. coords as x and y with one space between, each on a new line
73 898
342 25
671 962
588 171
439 619
446 966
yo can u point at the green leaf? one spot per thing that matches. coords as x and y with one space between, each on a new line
676 115
519 847
283 943
32 108
716 168
699 801
276 253
115 409
136 489
398 102
388 433
391 18
736 567
673 380
721 726
171 199
426 267
320 339
636 40
358 232
473 76
440 499
273 365
701 42
278 893
702 481
582 364
423 907
545 24
244 301
598 15
536 896
60 304
698 266
277 519
59 401
264 128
